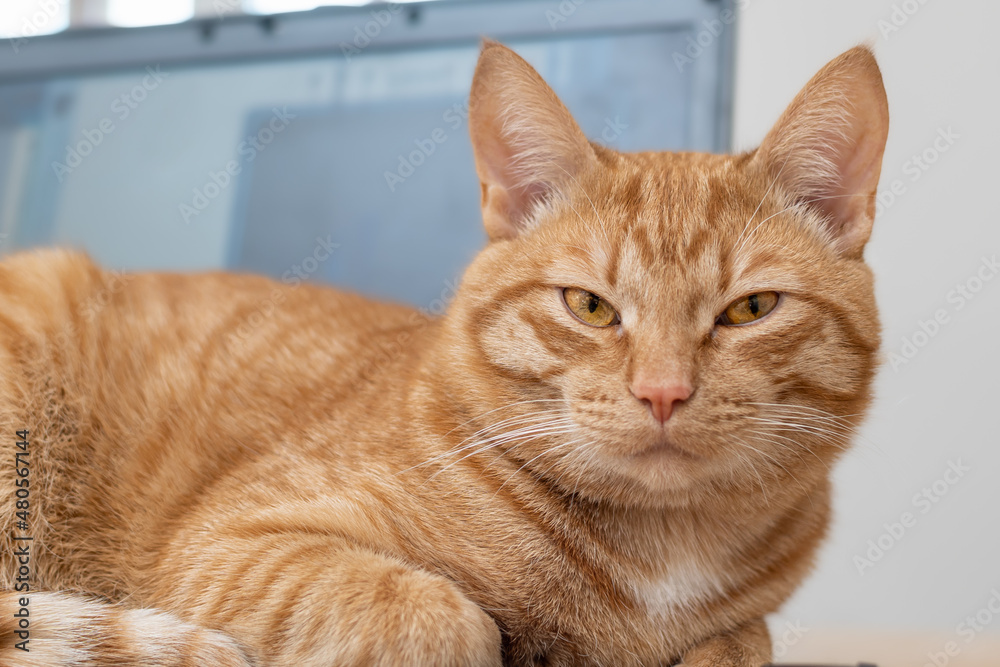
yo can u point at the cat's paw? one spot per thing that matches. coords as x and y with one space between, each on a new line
746 646
216 648
425 620
386 614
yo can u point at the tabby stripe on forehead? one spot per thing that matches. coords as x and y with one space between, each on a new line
611 274
705 232
630 197
701 239
641 241
722 204
762 260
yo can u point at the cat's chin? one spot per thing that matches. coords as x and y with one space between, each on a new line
659 471
665 450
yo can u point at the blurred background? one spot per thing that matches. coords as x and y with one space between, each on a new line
238 137
329 143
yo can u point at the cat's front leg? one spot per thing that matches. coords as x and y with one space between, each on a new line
746 646
376 610
325 603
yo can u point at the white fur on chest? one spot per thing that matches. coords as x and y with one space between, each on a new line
684 585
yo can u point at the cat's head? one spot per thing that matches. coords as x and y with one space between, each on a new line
671 322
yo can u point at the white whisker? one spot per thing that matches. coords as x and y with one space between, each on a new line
762 199
767 456
565 425
476 438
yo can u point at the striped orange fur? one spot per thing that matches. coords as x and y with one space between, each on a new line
353 483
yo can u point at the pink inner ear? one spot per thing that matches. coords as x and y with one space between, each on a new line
513 197
857 162
506 202
522 168
525 142
527 196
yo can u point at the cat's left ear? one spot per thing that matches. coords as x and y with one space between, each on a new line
527 146
826 149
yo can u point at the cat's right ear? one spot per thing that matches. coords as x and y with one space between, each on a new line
526 144
827 147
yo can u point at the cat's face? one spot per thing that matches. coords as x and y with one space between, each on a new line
652 325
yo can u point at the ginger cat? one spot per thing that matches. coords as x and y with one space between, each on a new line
613 449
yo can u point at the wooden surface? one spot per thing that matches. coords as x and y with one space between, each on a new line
824 646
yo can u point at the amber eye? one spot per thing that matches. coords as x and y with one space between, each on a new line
749 309
590 308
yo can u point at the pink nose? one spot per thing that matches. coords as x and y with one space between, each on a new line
662 397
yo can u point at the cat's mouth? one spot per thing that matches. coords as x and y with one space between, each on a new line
665 449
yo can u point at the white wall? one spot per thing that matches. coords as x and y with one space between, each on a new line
942 405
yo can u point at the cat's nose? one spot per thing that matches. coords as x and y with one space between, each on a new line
662 397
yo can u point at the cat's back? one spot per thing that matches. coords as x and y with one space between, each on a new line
144 390
145 362
65 292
